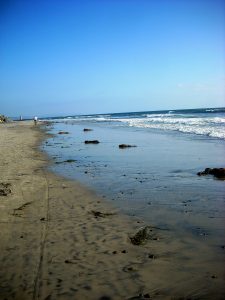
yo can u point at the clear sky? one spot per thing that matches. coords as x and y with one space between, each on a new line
98 56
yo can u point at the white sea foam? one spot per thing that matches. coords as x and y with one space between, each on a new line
198 124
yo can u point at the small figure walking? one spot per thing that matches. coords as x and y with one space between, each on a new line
35 120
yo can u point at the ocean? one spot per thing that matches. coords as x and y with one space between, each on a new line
156 182
207 122
171 147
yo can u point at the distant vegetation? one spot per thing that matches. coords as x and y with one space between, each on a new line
3 119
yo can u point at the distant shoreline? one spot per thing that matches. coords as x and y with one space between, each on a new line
211 109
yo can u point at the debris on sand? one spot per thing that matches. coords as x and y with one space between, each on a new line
124 146
98 214
20 208
87 129
217 172
141 236
23 206
92 142
5 189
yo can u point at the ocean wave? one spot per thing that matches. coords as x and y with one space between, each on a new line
198 127
199 124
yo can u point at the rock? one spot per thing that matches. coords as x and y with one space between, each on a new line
70 160
141 236
87 129
65 161
99 214
5 189
124 146
92 142
63 132
217 172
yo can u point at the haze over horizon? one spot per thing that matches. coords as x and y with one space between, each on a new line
89 57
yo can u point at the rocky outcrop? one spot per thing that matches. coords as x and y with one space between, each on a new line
65 161
124 146
63 132
92 142
217 172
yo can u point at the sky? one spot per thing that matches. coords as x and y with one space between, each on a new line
101 56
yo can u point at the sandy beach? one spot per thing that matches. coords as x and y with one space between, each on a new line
60 240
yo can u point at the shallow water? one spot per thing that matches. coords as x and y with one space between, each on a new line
155 182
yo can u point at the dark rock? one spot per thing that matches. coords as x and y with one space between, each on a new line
99 214
63 132
123 146
87 129
124 251
141 236
65 161
217 172
5 189
70 160
92 142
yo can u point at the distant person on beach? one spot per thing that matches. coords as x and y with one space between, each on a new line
21 118
35 120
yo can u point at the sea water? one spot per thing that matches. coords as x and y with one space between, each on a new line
156 181
171 147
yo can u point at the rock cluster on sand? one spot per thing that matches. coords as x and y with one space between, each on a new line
217 172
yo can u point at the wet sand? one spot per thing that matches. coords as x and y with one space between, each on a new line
56 244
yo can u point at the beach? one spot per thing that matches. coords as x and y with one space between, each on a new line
60 239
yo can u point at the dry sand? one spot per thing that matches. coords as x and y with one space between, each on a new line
52 245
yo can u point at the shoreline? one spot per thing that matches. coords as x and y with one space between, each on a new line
56 245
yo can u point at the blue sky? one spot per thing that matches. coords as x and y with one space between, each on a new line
82 57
